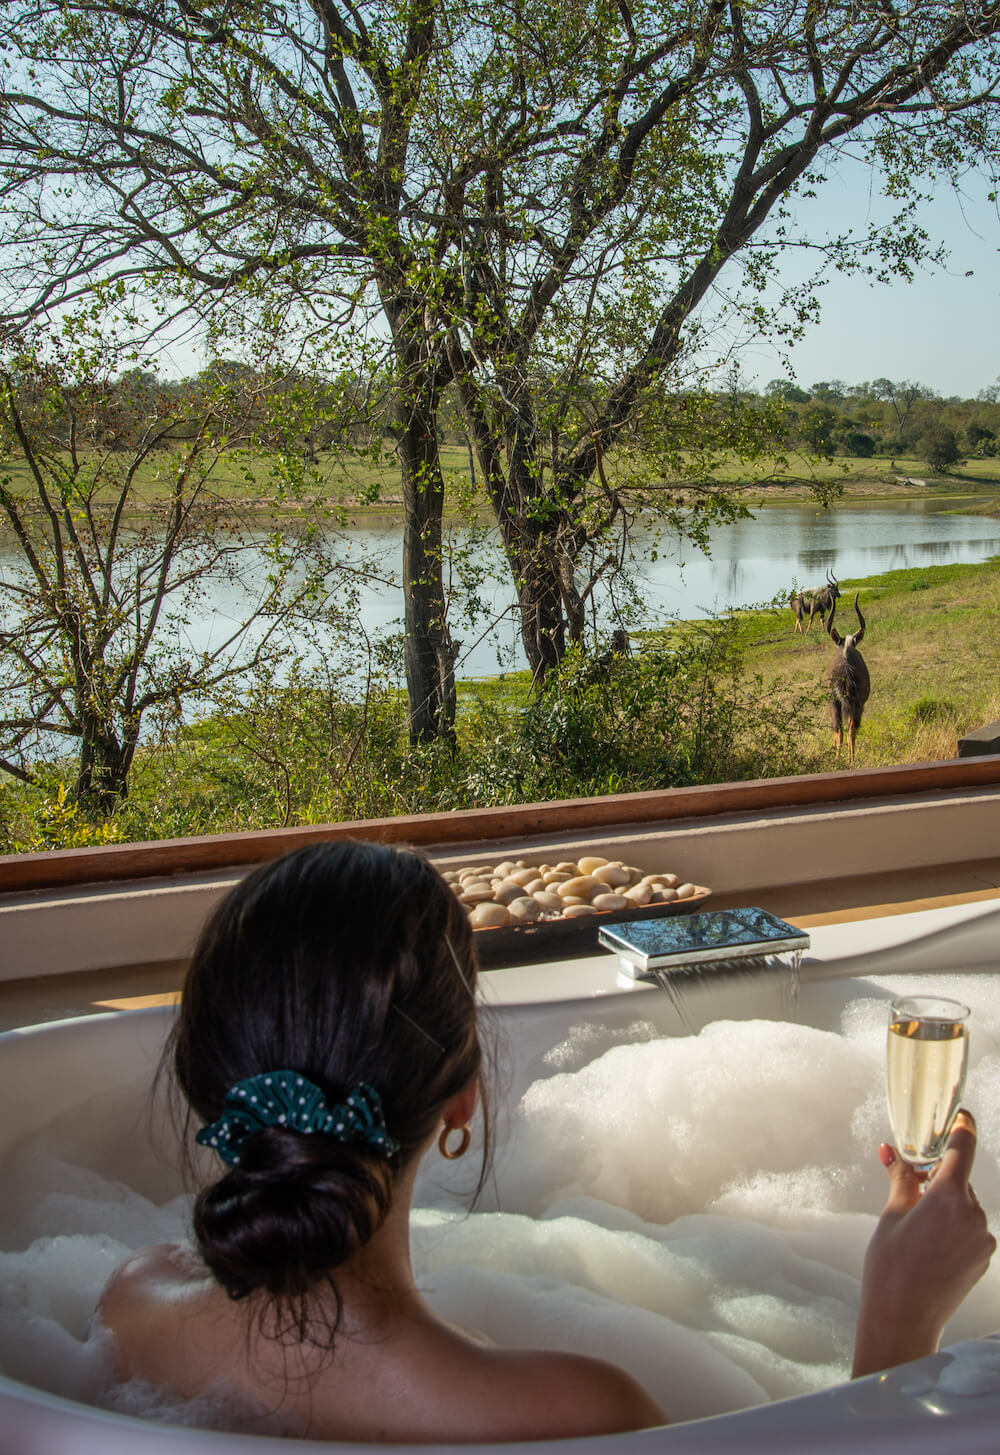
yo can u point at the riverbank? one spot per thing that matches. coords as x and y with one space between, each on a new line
974 485
349 490
739 697
931 646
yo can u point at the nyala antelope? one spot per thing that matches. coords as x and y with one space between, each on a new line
849 682
816 602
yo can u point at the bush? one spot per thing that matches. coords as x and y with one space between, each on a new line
940 447
899 444
979 440
681 711
857 443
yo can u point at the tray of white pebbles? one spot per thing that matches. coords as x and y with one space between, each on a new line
518 905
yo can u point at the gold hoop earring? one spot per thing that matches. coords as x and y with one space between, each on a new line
463 1145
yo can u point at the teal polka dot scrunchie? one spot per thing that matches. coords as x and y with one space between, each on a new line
288 1099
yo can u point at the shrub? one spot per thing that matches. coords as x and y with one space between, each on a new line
859 444
940 447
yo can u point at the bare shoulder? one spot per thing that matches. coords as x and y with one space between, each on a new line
563 1395
163 1273
167 1318
155 1266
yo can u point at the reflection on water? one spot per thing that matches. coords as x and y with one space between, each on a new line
755 560
751 561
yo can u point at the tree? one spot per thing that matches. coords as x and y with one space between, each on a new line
532 205
118 526
829 391
787 390
816 425
979 439
940 447
902 397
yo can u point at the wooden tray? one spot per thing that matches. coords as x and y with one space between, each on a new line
558 939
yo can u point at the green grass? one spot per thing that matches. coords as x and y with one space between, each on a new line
932 648
372 487
251 478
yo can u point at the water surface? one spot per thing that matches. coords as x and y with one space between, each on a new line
782 548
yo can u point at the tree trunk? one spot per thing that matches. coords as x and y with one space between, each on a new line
529 527
102 776
429 651
540 600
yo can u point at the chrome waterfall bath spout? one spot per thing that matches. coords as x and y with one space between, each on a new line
727 951
714 940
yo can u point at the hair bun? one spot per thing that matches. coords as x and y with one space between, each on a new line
294 1207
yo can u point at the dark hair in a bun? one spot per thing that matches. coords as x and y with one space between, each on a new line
333 962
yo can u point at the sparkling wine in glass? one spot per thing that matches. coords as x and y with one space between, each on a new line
926 1059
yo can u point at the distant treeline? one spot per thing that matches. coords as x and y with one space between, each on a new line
879 417
888 417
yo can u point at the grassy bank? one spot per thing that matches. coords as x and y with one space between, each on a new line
932 648
931 643
369 488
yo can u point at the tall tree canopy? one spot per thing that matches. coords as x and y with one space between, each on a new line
527 202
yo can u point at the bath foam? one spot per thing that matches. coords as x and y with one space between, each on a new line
702 1338
695 1209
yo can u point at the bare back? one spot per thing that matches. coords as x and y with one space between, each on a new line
396 1373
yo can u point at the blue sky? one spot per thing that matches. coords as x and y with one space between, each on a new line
942 330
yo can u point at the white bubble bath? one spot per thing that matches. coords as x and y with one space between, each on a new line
688 1197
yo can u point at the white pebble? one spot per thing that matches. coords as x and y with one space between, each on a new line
610 901
584 886
476 893
488 916
613 875
525 910
507 891
590 862
547 899
639 894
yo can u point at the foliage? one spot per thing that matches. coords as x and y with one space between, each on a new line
109 572
859 444
894 418
680 711
543 210
941 447
739 698
297 749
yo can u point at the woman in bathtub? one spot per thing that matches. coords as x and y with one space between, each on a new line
327 1038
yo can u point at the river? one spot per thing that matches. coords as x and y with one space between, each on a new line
750 561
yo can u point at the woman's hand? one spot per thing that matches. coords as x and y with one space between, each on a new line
930 1247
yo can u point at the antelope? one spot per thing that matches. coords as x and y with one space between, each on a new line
818 601
849 682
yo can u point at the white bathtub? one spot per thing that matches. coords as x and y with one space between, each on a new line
953 1398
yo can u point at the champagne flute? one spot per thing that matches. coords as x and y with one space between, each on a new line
926 1058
